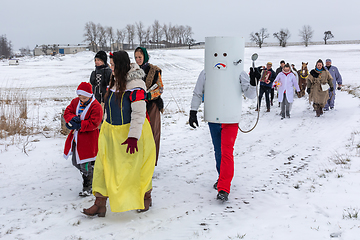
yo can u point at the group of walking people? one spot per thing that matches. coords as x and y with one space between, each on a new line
115 120
321 85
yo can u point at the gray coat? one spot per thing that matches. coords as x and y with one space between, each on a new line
334 72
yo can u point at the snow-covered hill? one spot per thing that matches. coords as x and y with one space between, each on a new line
295 178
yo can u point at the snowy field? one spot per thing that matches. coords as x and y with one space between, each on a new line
296 178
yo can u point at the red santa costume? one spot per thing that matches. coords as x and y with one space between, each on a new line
86 138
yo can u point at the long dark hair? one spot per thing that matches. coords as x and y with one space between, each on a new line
118 78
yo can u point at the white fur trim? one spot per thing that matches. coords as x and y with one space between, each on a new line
83 93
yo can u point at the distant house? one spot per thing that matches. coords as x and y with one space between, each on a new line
59 49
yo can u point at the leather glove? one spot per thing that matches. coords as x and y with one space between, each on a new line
331 89
131 145
339 88
193 119
308 90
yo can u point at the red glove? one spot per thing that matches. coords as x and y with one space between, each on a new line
132 145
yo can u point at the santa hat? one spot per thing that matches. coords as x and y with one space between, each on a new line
84 89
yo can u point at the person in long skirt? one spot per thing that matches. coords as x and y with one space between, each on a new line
125 162
154 87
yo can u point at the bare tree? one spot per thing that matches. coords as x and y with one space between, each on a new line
327 35
120 34
110 35
147 35
44 48
259 37
172 34
102 36
91 35
166 31
140 32
306 34
157 32
25 51
5 47
130 29
282 36
188 32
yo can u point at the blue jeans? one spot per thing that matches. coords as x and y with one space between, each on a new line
267 91
215 132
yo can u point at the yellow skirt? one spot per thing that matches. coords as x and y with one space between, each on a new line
121 176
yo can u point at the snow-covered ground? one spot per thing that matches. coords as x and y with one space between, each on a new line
296 178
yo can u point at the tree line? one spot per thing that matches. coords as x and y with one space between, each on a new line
107 38
5 47
306 34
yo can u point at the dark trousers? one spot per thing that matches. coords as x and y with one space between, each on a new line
86 169
272 94
267 91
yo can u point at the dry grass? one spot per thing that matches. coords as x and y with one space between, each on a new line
14 113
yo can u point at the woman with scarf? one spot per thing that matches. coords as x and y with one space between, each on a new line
319 83
125 162
286 81
154 88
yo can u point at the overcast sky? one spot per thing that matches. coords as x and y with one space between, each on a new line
28 23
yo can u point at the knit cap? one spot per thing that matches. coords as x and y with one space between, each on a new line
84 89
101 55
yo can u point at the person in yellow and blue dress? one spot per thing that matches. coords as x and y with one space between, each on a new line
125 162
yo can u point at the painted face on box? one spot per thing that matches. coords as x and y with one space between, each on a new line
221 64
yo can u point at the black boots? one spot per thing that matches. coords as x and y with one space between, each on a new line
223 196
215 184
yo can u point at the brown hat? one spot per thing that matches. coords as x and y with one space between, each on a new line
269 63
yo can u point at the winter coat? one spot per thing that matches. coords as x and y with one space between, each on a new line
335 74
152 77
198 93
266 76
314 82
286 83
133 105
99 79
86 138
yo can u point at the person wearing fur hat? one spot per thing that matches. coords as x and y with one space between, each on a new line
154 87
125 162
286 81
100 77
319 84
83 116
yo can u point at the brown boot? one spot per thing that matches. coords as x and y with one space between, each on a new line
99 208
147 202
318 112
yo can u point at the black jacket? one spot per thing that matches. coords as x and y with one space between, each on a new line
99 80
